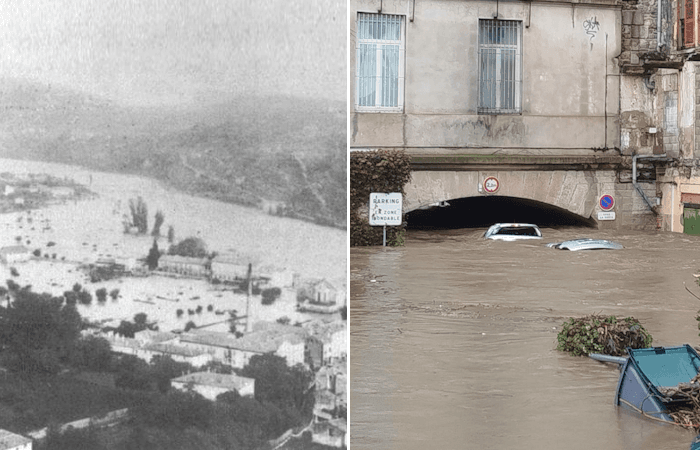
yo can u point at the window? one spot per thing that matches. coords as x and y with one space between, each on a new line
380 71
500 68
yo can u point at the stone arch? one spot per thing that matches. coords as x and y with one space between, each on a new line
576 191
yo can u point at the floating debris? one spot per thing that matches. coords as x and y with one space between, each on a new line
602 334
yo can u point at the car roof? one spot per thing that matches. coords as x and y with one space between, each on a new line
495 228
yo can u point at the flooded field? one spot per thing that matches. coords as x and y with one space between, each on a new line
85 230
453 339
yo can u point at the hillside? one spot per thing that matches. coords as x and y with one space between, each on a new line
284 155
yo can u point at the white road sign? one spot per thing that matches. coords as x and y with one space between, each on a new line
606 215
385 209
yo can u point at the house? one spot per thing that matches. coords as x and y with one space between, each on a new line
331 432
9 190
329 341
319 296
236 352
12 441
62 191
14 253
230 268
147 345
279 277
179 353
210 385
331 391
182 265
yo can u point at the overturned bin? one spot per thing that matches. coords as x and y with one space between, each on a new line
649 375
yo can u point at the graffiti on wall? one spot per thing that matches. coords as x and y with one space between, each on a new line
592 26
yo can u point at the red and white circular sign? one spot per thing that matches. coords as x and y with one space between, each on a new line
491 185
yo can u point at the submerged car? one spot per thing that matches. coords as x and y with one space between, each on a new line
513 231
586 244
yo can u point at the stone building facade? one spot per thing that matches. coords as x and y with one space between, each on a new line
608 88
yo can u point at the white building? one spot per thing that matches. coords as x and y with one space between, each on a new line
182 265
229 268
14 253
210 385
236 352
12 441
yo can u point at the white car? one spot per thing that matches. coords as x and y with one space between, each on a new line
586 244
513 232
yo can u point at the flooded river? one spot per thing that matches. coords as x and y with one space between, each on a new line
453 339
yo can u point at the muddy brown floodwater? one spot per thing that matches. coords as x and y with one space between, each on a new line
453 339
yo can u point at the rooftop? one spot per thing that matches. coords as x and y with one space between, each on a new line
11 440
176 259
216 380
173 349
14 249
262 341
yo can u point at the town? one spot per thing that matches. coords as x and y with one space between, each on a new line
141 320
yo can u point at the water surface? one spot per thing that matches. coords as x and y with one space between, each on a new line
453 339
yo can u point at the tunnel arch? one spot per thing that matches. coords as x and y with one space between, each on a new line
570 196
483 211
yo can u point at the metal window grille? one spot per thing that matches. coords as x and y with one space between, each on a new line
500 66
380 54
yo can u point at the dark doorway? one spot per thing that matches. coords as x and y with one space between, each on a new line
479 212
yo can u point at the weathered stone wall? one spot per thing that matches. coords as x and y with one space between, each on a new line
639 37
570 87
574 190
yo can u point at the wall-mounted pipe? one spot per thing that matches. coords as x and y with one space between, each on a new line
658 24
634 179
651 85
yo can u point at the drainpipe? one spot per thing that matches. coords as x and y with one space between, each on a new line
658 24
634 179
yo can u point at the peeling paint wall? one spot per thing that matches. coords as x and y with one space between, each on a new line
570 92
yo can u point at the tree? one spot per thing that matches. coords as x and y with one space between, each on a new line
132 373
171 234
129 329
141 320
153 256
164 369
279 384
160 217
101 295
139 214
84 297
192 247
284 320
269 295
72 438
38 331
93 353
178 410
190 325
114 293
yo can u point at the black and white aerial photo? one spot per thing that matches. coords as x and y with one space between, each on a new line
173 224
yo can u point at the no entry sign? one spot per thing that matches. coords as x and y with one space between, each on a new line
606 202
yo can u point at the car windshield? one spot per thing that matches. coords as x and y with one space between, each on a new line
518 231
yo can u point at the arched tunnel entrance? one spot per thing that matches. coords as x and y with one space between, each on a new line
483 211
